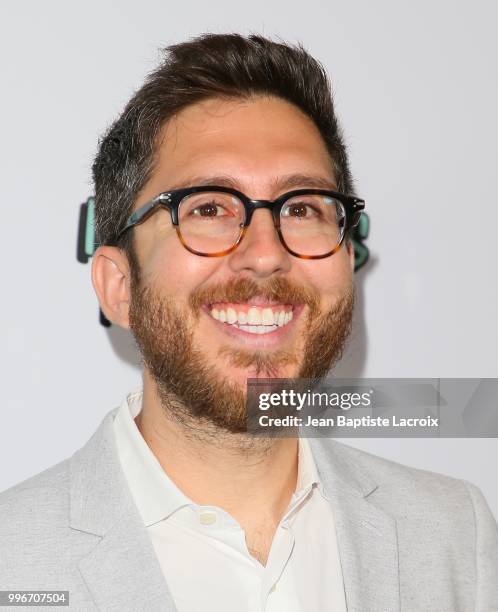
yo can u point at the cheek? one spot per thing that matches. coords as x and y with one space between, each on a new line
177 271
330 277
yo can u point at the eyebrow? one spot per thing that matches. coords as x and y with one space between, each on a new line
285 182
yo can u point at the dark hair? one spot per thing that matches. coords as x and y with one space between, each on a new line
212 65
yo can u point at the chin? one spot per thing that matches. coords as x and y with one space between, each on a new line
282 372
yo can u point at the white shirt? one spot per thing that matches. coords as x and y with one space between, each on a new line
202 549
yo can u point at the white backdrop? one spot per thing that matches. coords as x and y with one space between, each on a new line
416 89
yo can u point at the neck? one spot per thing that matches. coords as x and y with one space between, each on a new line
251 478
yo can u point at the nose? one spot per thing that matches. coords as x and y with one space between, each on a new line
260 252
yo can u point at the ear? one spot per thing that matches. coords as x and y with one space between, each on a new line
111 281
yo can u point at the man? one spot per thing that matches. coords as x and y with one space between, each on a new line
223 211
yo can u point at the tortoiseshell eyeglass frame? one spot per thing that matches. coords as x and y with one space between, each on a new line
171 201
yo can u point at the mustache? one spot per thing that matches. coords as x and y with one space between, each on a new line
243 289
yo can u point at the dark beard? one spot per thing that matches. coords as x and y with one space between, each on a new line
199 396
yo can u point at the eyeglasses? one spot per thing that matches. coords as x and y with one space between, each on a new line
211 221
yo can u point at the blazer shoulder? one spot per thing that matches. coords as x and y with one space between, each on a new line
412 491
40 499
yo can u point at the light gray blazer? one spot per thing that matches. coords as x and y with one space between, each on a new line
408 540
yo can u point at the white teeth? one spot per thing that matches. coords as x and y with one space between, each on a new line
254 316
242 318
267 316
256 320
258 329
231 316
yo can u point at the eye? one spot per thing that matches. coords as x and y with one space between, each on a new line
209 209
300 210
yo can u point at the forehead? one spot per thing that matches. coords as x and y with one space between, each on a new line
254 141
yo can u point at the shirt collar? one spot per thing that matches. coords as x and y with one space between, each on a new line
155 494
307 473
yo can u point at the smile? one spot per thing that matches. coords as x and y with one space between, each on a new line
252 319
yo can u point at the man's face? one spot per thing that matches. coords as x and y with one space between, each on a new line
262 147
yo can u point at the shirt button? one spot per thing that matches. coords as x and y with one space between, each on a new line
207 518
274 588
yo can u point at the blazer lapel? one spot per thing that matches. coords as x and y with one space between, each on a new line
366 535
121 572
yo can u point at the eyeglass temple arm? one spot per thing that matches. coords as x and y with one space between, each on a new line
141 214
